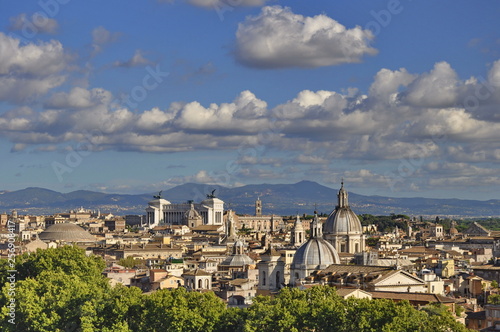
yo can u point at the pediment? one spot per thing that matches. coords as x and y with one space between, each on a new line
398 278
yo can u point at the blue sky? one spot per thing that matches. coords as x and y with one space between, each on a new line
398 98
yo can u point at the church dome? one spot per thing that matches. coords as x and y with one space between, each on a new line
316 253
238 258
342 220
66 232
453 229
192 213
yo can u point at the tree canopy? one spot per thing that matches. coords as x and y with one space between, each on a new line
63 290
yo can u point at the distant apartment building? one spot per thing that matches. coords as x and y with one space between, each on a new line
134 220
115 224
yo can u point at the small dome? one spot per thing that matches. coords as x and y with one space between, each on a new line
192 213
238 258
66 232
316 253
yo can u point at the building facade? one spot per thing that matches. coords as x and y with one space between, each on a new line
162 212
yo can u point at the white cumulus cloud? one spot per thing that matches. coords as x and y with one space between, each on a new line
31 70
278 38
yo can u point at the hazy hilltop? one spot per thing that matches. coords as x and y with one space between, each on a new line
281 199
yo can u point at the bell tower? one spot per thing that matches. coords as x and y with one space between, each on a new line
258 207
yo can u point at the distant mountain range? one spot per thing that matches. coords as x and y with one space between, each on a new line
280 199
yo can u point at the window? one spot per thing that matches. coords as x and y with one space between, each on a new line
263 278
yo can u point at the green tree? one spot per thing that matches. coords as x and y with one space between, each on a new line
119 309
55 301
52 302
320 309
130 262
494 299
232 320
441 319
67 259
63 290
179 310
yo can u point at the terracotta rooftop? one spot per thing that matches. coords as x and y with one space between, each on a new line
207 228
197 272
415 297
344 268
487 267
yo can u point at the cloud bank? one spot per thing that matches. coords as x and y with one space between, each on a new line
423 123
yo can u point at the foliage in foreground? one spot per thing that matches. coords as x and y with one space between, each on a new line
63 290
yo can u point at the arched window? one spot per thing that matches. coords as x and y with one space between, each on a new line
206 284
278 281
199 283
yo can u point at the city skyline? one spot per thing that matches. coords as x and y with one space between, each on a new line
397 98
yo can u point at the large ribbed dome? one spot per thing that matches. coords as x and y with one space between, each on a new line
342 220
316 253
66 232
